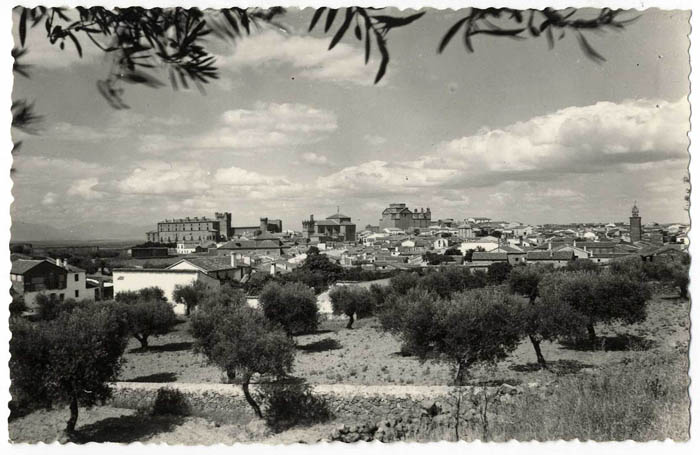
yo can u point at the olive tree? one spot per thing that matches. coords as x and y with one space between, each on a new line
598 297
292 305
352 301
190 294
474 326
149 318
149 293
243 342
541 319
71 359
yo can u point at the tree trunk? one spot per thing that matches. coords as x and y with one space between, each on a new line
458 407
70 427
591 334
350 321
249 398
143 339
540 358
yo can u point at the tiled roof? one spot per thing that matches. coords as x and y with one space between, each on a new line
20 266
482 256
251 244
550 255
392 210
336 216
209 263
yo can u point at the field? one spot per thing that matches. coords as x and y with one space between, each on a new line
634 388
367 355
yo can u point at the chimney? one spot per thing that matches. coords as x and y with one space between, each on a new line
549 245
574 242
58 262
233 260
273 269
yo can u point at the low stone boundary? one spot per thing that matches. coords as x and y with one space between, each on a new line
347 402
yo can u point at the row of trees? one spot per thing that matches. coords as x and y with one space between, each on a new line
74 349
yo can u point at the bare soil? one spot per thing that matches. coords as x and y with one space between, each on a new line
367 355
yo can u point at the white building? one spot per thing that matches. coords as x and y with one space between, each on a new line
210 270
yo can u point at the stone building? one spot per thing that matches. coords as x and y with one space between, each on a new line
635 224
336 227
192 229
397 215
266 225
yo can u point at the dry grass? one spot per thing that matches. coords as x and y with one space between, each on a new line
637 389
367 355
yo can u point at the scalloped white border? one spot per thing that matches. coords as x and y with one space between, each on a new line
512 447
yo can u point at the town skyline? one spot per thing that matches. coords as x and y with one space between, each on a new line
292 129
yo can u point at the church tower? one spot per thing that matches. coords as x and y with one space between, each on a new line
635 224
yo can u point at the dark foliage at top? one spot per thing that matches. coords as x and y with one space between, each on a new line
143 42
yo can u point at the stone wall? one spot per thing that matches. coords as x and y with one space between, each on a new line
379 412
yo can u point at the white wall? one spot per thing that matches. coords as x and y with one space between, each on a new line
80 286
487 246
134 280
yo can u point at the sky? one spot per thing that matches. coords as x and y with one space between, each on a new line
513 131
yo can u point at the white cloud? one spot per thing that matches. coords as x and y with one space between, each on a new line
156 177
235 176
378 177
574 140
308 55
49 198
599 138
375 140
84 188
265 126
28 167
314 159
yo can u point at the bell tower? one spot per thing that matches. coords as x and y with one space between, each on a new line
635 224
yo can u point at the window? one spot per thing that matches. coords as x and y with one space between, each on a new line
77 294
76 277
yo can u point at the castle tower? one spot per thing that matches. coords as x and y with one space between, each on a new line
635 224
308 227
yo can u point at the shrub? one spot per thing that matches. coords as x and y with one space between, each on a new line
17 306
525 281
170 402
48 310
292 305
150 293
289 402
242 342
581 265
72 359
498 272
416 319
351 301
225 296
401 283
681 280
379 295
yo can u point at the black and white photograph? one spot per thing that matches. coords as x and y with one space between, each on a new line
287 224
